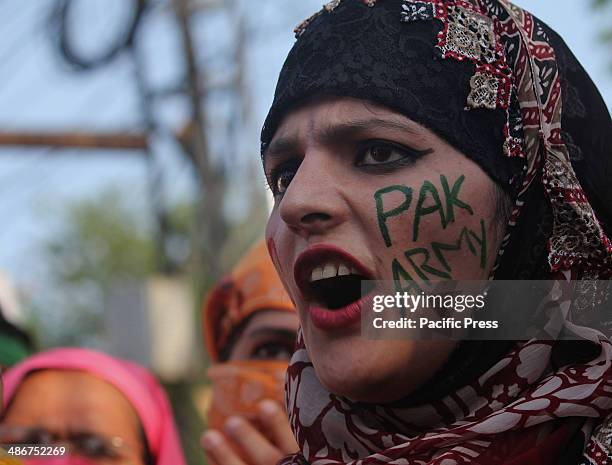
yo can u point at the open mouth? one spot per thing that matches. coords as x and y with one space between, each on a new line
331 278
338 291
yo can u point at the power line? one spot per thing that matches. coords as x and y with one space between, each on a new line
80 62
83 106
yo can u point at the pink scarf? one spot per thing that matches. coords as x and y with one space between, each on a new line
137 385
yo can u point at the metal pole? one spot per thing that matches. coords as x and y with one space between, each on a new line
211 225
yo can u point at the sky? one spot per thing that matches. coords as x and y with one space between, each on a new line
39 92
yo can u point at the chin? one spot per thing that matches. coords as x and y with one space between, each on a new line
362 387
366 370
376 371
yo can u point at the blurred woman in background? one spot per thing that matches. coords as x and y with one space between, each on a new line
104 410
250 328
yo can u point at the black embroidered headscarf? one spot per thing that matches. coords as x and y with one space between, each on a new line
358 51
503 88
368 53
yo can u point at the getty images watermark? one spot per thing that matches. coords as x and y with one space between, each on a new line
411 303
485 310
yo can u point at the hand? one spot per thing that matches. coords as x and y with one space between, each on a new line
245 444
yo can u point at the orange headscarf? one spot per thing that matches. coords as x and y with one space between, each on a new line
252 285
239 386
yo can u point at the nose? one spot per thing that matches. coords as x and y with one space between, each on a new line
313 203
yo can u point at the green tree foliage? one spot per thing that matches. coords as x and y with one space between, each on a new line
107 238
102 239
99 240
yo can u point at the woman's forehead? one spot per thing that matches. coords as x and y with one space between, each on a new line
75 398
331 121
71 388
318 113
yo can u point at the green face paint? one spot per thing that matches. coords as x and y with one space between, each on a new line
402 280
446 211
482 241
430 260
427 188
452 200
424 266
440 248
383 215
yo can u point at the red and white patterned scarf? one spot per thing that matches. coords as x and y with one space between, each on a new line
522 410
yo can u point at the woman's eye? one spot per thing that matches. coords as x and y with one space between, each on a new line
95 447
381 154
283 180
281 176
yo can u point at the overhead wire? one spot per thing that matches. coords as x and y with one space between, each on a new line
39 185
60 23
38 157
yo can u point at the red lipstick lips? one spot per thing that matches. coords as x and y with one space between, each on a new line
318 256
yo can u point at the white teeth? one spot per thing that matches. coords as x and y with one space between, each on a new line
317 274
329 271
343 270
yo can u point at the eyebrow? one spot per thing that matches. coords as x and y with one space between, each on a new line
337 133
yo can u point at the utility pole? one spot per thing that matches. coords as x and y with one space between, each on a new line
211 227
155 178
